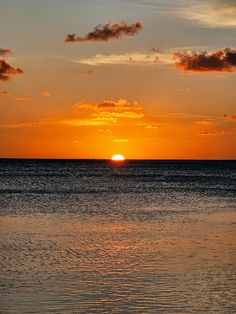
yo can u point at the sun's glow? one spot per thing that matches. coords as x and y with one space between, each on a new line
118 157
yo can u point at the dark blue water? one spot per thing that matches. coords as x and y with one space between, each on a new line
87 236
106 188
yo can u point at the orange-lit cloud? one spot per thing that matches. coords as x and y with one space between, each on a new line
6 93
82 122
107 32
73 122
105 130
120 140
151 126
120 104
110 111
7 71
5 53
231 117
219 61
22 98
88 72
204 122
213 132
23 125
114 116
46 94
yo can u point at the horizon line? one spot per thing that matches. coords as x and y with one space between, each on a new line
109 159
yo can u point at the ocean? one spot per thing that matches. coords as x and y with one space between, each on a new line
95 236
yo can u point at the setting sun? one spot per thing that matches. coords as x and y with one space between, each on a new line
118 157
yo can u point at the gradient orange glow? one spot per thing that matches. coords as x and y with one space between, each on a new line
123 87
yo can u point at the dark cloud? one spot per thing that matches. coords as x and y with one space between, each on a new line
7 71
219 61
158 50
5 53
231 117
107 32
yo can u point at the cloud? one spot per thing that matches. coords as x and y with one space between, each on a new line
217 13
82 122
218 61
88 72
110 110
33 124
120 140
231 117
204 122
214 132
120 104
107 32
7 71
151 126
5 53
46 94
114 116
105 114
22 98
105 130
72 122
6 93
134 58
16 98
180 90
77 141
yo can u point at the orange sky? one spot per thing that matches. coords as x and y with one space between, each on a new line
123 87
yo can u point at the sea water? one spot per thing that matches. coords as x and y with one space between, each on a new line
95 236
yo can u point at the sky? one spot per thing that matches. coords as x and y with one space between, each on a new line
149 79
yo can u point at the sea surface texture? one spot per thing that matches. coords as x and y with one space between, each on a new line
101 237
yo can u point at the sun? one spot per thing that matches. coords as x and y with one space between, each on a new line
118 157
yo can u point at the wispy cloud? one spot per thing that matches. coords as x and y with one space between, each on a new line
120 104
151 126
107 113
218 61
114 116
22 98
82 122
30 124
216 13
107 32
111 110
72 122
207 122
5 53
120 140
134 58
46 93
16 98
80 72
214 132
6 93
